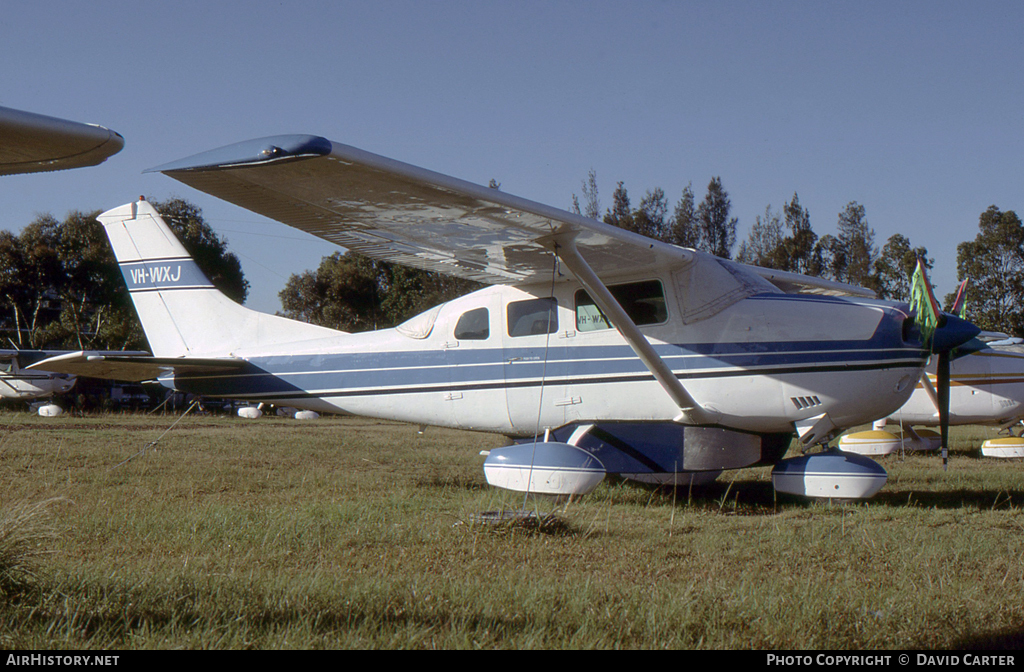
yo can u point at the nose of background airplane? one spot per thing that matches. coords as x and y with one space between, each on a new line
952 332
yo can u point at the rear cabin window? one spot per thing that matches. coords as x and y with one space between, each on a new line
474 325
644 302
532 317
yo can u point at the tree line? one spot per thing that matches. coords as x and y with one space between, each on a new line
61 288
781 240
993 263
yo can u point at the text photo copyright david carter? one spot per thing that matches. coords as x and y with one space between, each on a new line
908 659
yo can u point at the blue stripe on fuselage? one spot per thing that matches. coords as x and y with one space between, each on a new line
409 372
452 370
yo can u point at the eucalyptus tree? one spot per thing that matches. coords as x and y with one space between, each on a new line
799 244
683 229
857 239
993 263
351 292
894 267
765 244
717 228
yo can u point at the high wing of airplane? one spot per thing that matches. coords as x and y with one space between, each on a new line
631 356
33 143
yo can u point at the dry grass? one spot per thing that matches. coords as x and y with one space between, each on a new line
26 531
351 533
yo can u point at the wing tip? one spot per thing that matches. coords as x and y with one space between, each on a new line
251 153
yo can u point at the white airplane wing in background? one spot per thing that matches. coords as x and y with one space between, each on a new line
389 210
34 143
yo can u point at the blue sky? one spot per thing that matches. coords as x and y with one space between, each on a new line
912 109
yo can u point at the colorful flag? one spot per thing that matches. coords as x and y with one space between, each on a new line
923 304
960 304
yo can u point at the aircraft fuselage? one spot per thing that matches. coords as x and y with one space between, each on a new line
986 387
760 364
33 385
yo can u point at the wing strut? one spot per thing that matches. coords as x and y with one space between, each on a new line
690 412
929 389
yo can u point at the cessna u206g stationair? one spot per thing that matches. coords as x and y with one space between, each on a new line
640 357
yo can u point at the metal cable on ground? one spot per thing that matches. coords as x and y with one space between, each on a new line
157 440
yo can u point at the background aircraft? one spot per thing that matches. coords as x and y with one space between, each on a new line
986 387
17 382
984 383
33 143
641 358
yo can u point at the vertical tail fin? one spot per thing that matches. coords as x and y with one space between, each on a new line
182 313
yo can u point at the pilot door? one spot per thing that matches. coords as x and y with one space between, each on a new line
535 364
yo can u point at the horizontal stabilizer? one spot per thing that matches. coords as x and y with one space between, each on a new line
91 364
28 357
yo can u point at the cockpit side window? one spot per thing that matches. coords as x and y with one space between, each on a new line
531 317
474 325
644 302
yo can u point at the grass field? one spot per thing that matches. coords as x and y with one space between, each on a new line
277 533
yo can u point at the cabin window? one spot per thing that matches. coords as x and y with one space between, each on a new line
644 302
536 316
474 325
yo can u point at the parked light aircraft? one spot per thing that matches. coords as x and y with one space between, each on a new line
32 143
18 382
642 358
986 387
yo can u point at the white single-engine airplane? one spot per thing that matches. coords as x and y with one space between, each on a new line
986 387
18 382
983 380
632 356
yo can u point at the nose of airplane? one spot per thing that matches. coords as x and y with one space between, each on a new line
952 331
